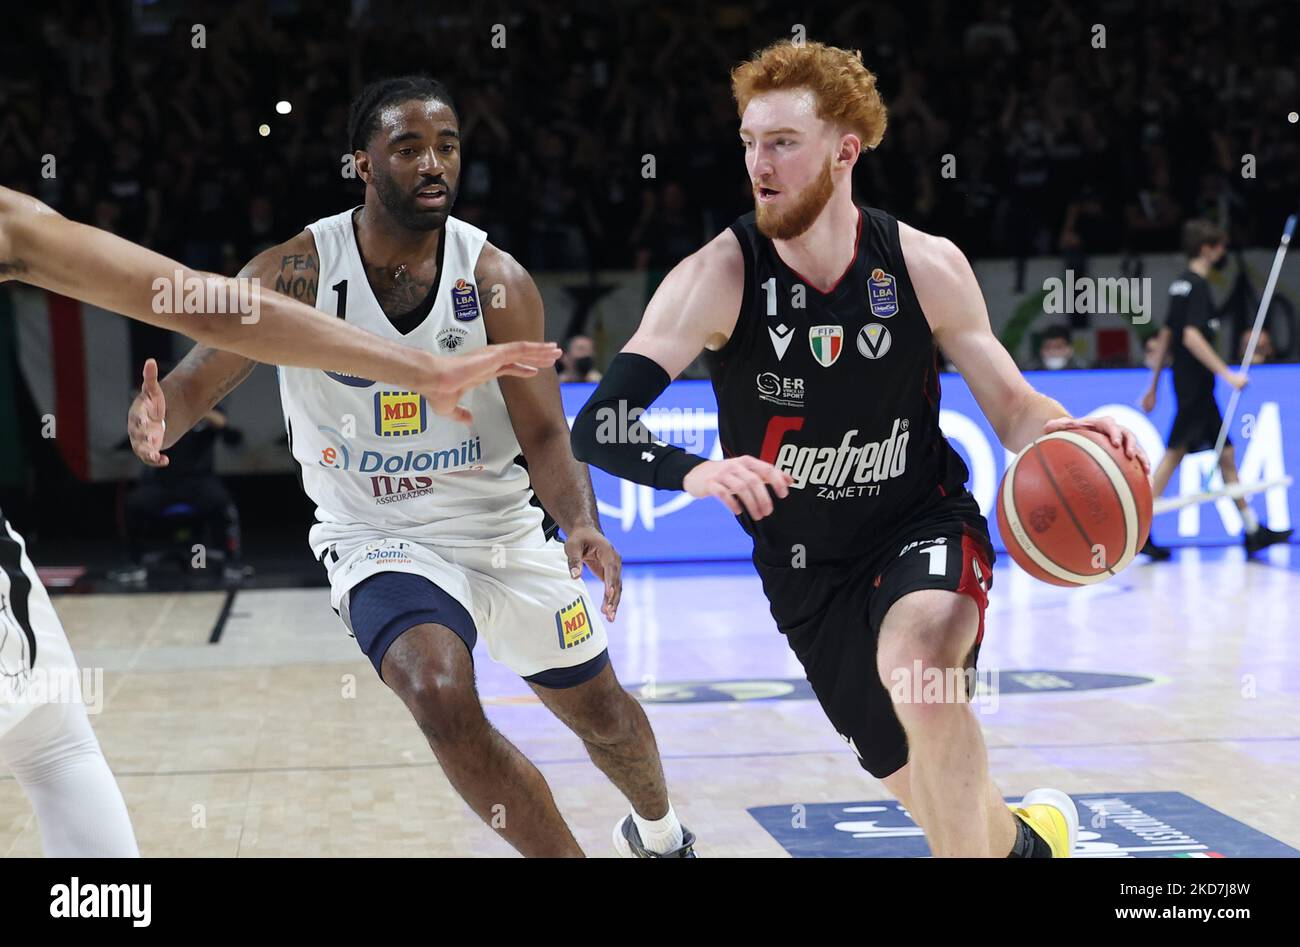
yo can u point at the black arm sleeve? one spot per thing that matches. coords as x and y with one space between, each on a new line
608 432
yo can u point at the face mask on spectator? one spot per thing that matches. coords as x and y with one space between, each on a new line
1055 362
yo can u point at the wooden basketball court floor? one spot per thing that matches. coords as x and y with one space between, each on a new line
1172 688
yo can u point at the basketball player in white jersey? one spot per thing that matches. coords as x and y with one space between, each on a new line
425 526
45 736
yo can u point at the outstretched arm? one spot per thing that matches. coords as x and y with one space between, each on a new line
166 410
41 247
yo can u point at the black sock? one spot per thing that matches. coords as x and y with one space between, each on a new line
1028 843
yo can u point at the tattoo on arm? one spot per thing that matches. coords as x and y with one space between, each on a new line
297 277
232 380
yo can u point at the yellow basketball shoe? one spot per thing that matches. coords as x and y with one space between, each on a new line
1052 815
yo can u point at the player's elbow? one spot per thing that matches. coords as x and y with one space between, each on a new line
23 220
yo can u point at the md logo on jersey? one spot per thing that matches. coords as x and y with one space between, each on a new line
780 336
827 343
1123 825
464 301
874 340
400 414
572 624
882 294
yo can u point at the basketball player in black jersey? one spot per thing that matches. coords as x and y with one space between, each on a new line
51 748
1188 335
821 322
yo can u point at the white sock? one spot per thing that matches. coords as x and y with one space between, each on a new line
660 835
1250 519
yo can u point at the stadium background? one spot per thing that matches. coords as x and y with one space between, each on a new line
1066 157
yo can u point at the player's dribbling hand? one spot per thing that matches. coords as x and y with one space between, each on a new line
1108 428
588 544
453 375
739 482
145 422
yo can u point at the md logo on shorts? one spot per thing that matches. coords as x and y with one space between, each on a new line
572 624
399 414
1115 825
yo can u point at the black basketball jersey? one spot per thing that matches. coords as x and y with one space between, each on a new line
838 389
1190 304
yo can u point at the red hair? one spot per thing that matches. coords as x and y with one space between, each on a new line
844 88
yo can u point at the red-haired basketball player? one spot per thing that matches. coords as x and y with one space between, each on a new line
821 322
48 743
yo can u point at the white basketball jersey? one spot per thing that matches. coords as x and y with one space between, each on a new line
375 459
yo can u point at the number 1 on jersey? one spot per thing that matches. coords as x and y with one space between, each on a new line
770 288
341 289
938 559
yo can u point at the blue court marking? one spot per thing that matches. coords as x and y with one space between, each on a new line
1033 681
1111 825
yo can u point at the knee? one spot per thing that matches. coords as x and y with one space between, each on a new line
923 667
609 721
937 646
446 709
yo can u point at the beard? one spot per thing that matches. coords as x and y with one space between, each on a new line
794 220
403 208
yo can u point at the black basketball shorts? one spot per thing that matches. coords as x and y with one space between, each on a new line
831 616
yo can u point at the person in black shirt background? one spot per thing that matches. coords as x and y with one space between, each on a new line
189 479
1188 336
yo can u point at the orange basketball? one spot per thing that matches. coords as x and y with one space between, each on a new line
1073 510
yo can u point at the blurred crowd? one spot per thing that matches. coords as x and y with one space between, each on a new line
1059 145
